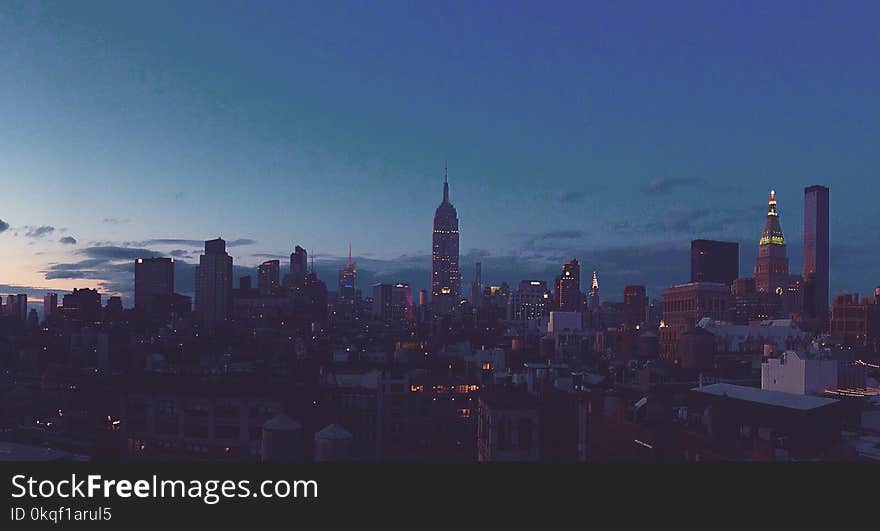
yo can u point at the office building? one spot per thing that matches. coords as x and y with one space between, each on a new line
269 277
445 274
153 283
816 253
213 304
714 261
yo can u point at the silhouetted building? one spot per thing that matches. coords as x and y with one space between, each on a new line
299 265
50 304
714 261
635 305
214 284
153 283
568 287
269 277
771 267
816 253
445 275
82 304
849 320
477 286
530 301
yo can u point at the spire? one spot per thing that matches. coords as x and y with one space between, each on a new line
772 233
594 284
445 183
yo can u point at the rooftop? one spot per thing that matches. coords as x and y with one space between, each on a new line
762 396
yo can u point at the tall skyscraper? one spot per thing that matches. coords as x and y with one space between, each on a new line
714 261
445 275
50 304
269 277
153 283
477 286
348 294
771 267
214 284
593 299
299 265
568 287
816 253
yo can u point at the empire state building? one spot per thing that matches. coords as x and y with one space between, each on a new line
445 275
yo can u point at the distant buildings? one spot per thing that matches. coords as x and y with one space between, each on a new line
83 305
714 261
477 286
635 305
445 274
683 307
816 253
213 303
856 322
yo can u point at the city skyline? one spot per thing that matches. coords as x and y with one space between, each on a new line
639 144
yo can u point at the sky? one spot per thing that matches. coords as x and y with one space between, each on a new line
611 132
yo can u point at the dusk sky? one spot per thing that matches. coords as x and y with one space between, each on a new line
613 132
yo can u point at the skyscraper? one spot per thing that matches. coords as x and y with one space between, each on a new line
635 305
477 286
771 267
50 304
530 301
214 284
299 265
816 253
153 283
568 287
714 261
348 291
593 299
269 277
445 275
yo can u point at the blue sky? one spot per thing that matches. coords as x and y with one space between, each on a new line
613 132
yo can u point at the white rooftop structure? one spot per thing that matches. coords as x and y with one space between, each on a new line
762 396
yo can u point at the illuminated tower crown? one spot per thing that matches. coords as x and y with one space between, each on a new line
772 234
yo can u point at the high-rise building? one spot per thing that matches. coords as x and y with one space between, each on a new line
714 261
771 267
299 265
153 283
568 287
477 286
816 253
50 304
593 299
445 275
82 304
381 301
530 301
635 305
401 301
348 295
214 284
269 277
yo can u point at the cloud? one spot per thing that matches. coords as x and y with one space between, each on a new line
568 196
68 240
667 184
241 242
179 253
3 226
112 252
116 221
187 242
39 232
